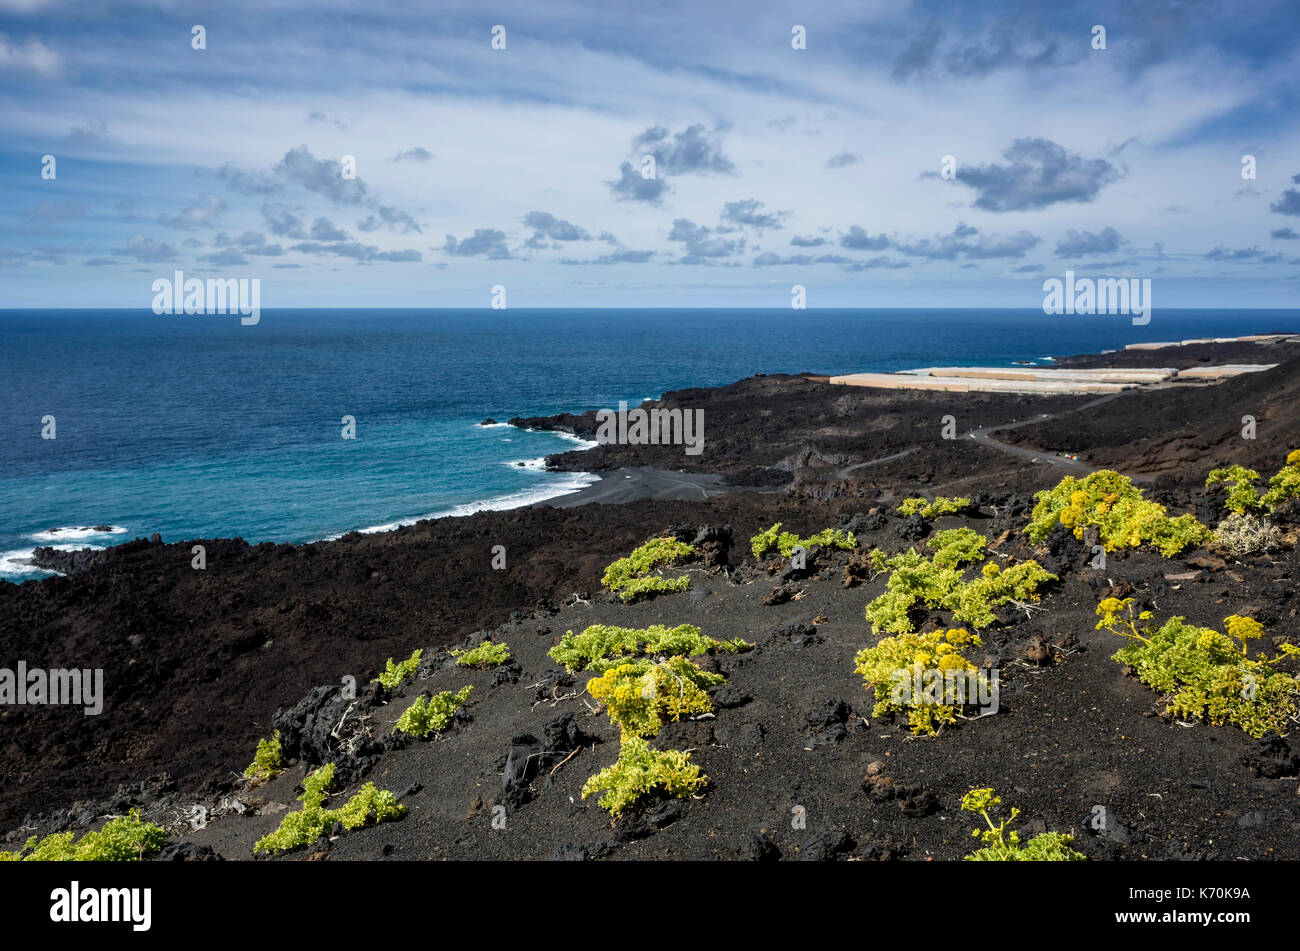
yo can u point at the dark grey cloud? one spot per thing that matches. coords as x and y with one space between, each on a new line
1027 269
250 242
1077 243
918 55
1038 173
318 116
405 256
146 250
841 160
547 228
1000 50
360 253
226 257
703 245
1221 253
631 186
203 213
625 256
879 261
254 242
417 154
857 239
1289 203
1284 234
322 176
248 183
485 242
696 150
1019 41
966 241
283 220
749 214
394 219
322 229
771 259
800 241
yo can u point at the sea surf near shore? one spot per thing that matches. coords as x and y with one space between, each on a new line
243 440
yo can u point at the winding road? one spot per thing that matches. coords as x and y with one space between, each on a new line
981 436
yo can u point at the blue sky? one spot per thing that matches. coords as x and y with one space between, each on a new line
774 166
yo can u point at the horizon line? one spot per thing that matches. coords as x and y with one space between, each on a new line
489 309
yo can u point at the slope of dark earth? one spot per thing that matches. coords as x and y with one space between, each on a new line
1177 434
1077 745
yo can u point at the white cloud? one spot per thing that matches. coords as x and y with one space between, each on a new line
32 57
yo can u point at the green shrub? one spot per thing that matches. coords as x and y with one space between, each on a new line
973 602
1124 519
1244 497
395 675
1204 674
641 694
786 542
1003 846
941 505
1285 484
764 541
485 655
957 546
630 577
124 839
267 762
431 715
602 646
916 579
892 666
369 805
640 770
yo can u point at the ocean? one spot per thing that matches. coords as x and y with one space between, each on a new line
198 426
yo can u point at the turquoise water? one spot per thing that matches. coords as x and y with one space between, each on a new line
200 427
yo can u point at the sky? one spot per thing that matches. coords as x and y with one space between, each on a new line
653 154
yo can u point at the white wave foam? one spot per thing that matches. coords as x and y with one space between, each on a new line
18 563
73 532
576 481
532 465
582 443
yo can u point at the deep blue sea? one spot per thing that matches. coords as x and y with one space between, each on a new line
199 426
